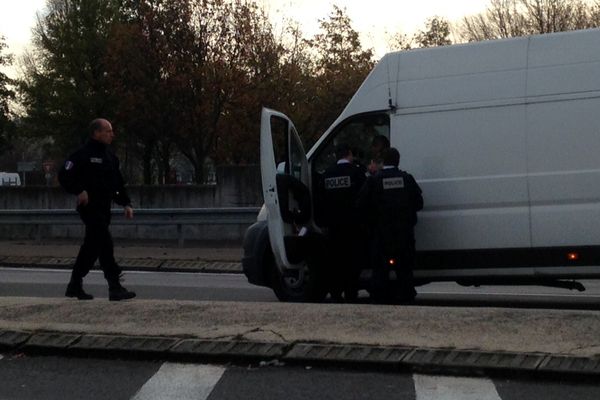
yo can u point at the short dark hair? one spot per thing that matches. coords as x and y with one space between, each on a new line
381 141
95 125
391 157
342 150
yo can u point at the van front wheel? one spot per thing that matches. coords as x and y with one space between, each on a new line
297 286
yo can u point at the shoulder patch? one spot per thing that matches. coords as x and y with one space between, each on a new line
69 164
338 182
393 183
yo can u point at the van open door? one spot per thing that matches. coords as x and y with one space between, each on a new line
284 171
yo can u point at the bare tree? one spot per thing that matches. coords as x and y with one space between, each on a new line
511 18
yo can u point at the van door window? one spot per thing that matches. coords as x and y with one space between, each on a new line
284 138
358 132
279 130
297 157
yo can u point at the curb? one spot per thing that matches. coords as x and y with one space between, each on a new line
128 264
356 356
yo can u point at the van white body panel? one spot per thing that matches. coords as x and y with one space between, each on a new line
502 136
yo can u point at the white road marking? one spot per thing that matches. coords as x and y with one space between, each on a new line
181 382
428 387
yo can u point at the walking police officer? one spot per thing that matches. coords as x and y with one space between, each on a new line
341 184
391 199
92 174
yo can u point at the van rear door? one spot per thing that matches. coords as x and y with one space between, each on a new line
284 170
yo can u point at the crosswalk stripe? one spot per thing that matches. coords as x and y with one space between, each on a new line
428 387
181 382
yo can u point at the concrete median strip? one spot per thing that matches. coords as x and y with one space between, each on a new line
418 338
456 361
12 339
125 344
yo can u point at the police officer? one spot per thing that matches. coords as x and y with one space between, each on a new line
341 184
92 174
391 199
379 144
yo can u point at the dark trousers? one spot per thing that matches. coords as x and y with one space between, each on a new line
97 244
402 289
346 259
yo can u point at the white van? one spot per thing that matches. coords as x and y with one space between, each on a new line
502 136
10 179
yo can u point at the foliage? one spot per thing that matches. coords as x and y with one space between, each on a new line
436 33
510 18
138 76
183 78
341 66
65 83
6 96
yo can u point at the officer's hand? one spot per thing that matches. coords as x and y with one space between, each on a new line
128 212
82 198
373 167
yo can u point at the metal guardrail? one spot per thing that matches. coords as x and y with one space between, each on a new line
147 216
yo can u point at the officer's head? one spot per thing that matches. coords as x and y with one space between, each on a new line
391 157
343 150
101 130
379 144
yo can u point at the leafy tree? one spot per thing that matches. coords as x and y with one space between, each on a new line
136 67
218 53
510 18
6 96
65 86
257 79
436 33
341 66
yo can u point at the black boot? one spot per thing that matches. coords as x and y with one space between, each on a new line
117 292
74 289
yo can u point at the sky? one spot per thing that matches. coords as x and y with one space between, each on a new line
375 20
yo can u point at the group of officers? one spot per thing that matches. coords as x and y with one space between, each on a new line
376 205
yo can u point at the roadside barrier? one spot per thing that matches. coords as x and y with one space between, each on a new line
148 216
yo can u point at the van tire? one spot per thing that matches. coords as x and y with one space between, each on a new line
305 287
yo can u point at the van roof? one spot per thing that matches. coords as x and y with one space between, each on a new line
493 70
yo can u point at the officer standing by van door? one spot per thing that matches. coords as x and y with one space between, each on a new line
391 199
341 184
92 174
379 144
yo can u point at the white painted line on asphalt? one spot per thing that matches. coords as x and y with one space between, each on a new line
181 382
430 387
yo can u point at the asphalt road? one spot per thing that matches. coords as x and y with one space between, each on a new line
62 378
234 287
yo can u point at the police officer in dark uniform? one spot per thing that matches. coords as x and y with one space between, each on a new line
391 199
92 174
341 184
379 144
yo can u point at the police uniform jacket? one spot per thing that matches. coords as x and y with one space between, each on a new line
95 169
340 186
391 199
